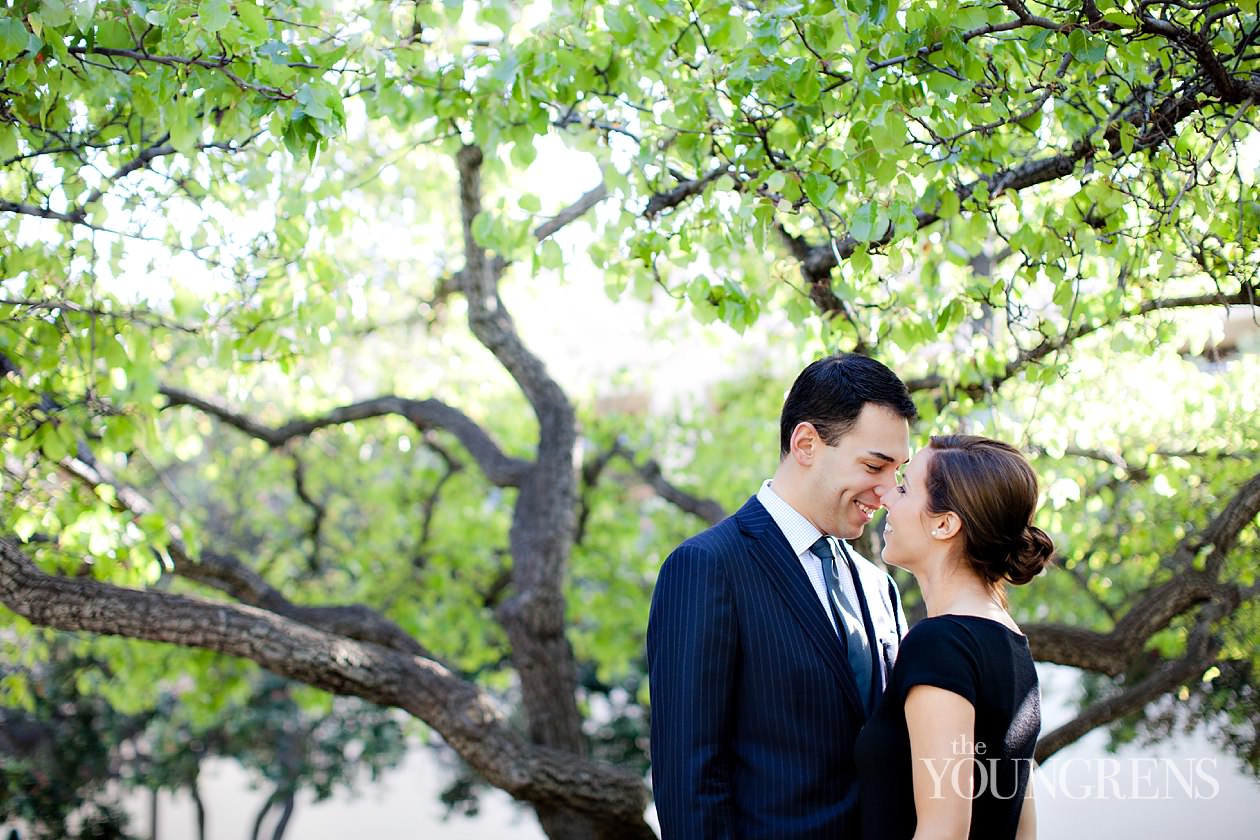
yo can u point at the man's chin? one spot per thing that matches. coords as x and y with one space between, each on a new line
849 532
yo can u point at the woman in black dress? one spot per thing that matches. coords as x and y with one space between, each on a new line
948 753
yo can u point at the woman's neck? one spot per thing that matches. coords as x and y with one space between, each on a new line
952 589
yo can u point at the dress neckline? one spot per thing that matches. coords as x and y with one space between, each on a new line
981 618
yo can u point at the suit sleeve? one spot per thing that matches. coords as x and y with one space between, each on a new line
692 644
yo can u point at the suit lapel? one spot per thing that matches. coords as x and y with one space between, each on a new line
769 549
875 595
877 651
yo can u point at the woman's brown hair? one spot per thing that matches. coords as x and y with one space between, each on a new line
992 488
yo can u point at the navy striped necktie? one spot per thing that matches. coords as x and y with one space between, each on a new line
849 616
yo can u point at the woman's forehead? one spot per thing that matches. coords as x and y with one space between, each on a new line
918 462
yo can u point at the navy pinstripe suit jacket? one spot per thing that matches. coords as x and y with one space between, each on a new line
754 706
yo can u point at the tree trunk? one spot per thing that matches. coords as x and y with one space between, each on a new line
283 823
262 815
543 522
194 790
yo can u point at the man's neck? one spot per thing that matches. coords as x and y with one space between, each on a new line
789 488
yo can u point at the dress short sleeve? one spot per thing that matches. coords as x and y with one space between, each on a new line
941 653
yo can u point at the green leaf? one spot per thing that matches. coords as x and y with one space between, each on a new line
950 316
25 526
889 131
820 189
313 103
13 38
524 153
551 256
1086 48
53 443
54 13
214 14
808 88
869 223
1121 19
8 141
1063 294
253 18
483 229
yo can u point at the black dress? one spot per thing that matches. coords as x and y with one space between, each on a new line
991 667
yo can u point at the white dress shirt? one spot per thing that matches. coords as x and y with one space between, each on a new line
801 534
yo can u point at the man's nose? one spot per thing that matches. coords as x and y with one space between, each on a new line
885 488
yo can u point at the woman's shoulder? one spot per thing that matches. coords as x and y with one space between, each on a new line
938 635
951 633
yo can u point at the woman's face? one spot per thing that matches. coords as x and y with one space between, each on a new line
907 527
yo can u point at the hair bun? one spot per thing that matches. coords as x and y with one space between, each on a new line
1033 553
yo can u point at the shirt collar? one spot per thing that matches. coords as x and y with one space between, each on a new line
800 532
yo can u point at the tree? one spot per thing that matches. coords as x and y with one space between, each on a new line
59 757
63 751
989 197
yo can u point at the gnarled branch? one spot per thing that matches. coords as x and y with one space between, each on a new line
1111 653
460 712
499 468
1201 652
976 390
237 580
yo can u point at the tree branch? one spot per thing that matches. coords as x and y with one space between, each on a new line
219 63
77 217
134 314
428 507
461 713
500 469
159 148
1201 650
492 324
1219 538
650 471
1244 296
1111 653
672 198
1159 123
571 213
318 511
229 575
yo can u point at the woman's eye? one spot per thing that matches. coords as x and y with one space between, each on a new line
901 488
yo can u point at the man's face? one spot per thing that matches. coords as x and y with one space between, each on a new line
846 480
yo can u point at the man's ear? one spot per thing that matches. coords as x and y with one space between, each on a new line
946 526
805 443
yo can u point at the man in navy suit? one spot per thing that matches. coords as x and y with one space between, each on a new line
769 641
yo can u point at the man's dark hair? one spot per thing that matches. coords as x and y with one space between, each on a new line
830 393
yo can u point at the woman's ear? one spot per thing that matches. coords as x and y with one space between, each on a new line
946 525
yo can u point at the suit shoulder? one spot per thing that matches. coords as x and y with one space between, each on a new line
712 542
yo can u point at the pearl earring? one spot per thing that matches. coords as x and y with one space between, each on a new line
936 532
